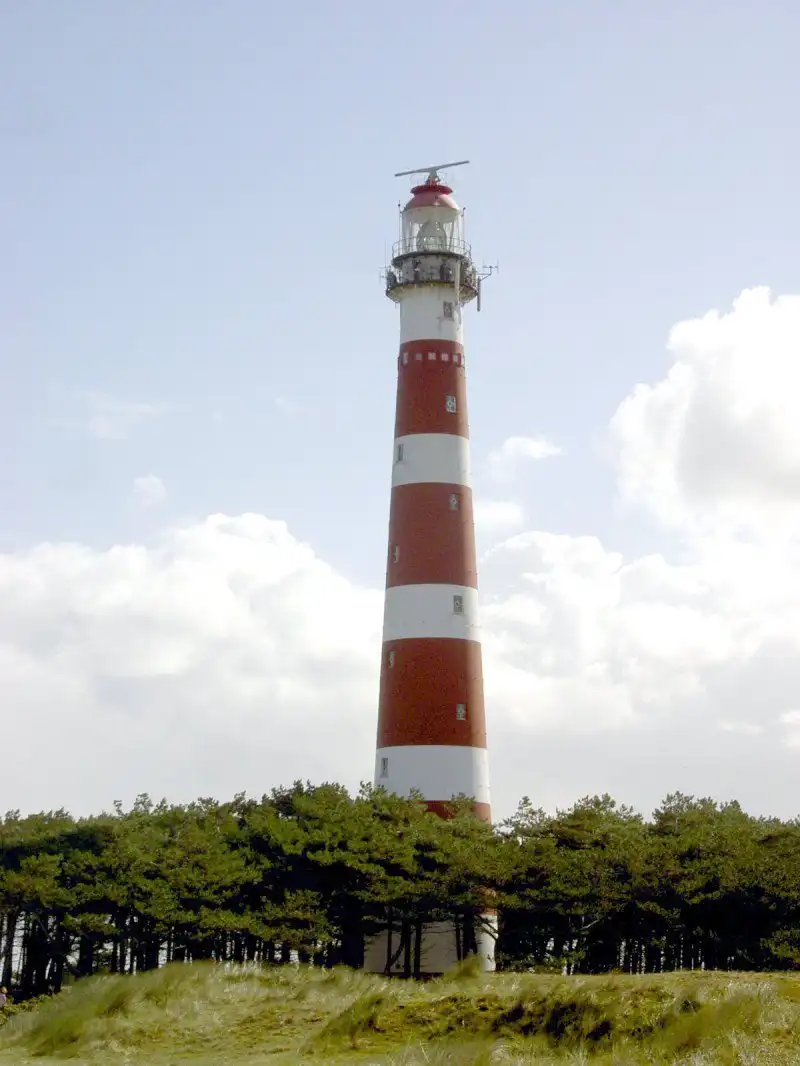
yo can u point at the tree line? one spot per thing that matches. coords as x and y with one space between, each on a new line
308 872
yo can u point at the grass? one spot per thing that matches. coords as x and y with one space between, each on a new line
224 1015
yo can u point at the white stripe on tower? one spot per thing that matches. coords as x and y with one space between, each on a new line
433 768
431 457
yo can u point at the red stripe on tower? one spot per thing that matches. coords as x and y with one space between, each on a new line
431 720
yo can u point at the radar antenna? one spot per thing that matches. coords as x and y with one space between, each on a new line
432 172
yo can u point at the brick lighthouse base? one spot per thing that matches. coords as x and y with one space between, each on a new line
428 951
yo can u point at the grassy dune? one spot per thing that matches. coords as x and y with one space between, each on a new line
236 1016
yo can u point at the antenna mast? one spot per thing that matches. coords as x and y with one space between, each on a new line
432 172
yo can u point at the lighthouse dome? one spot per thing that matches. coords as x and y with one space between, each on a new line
432 194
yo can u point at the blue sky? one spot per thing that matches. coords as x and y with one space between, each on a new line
197 202
198 197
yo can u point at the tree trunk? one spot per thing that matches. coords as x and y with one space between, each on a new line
406 936
418 949
85 957
352 943
7 967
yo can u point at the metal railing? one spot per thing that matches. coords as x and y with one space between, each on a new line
407 273
426 245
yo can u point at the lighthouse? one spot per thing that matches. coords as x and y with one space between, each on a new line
431 719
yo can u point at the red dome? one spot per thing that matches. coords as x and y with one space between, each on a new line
432 195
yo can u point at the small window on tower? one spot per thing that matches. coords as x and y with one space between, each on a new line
396 552
450 404
391 659
453 501
399 455
447 309
458 605
384 767
461 712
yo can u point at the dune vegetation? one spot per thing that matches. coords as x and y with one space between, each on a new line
225 1013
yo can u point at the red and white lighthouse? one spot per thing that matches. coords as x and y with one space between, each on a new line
431 720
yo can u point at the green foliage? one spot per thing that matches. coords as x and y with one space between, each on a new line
309 872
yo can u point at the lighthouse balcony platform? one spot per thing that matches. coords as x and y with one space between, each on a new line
431 270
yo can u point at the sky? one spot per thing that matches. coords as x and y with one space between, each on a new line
197 373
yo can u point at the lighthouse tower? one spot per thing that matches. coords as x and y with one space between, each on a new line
431 721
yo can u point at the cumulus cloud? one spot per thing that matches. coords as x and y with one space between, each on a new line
228 656
505 462
497 516
716 442
224 655
748 729
148 491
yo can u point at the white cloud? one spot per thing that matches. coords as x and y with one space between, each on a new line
225 655
504 462
228 656
748 729
716 442
791 733
148 491
110 418
497 516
